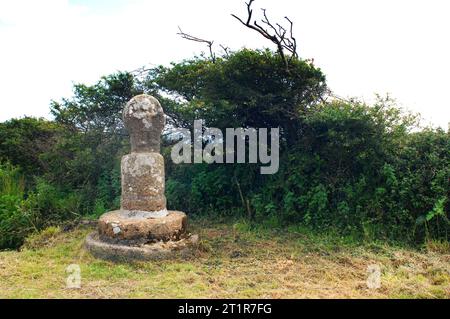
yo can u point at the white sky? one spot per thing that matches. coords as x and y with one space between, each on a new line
364 47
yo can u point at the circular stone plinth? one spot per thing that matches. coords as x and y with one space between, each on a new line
121 252
138 227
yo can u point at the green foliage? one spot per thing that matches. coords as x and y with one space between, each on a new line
22 213
247 88
71 165
357 169
23 141
86 159
11 180
202 189
343 164
346 168
14 223
49 205
97 107
438 212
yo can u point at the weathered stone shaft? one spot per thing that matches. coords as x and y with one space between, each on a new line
143 182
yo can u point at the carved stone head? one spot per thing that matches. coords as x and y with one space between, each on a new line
144 119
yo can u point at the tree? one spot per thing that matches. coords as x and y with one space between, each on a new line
247 88
97 107
23 141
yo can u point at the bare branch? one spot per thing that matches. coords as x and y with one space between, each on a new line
226 50
196 39
277 36
293 43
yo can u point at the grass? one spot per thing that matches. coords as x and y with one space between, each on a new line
233 261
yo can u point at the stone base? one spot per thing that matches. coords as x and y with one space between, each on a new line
139 227
154 251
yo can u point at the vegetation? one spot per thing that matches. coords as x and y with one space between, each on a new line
358 185
359 170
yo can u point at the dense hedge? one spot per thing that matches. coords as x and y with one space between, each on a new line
353 171
357 169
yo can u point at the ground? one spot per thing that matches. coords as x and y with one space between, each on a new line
233 261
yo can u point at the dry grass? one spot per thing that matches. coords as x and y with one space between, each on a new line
232 262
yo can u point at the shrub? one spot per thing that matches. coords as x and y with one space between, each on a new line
14 223
21 213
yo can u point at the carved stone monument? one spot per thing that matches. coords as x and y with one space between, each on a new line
143 228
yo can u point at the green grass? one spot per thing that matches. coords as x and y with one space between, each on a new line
234 260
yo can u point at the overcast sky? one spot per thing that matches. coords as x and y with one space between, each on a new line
364 47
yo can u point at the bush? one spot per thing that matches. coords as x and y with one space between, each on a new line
359 170
50 206
22 214
14 223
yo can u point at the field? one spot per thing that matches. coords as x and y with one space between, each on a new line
233 261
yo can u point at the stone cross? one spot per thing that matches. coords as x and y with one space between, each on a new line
143 169
142 228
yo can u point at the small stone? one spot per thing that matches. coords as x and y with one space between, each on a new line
236 254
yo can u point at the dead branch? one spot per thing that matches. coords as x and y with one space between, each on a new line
196 39
226 50
278 34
